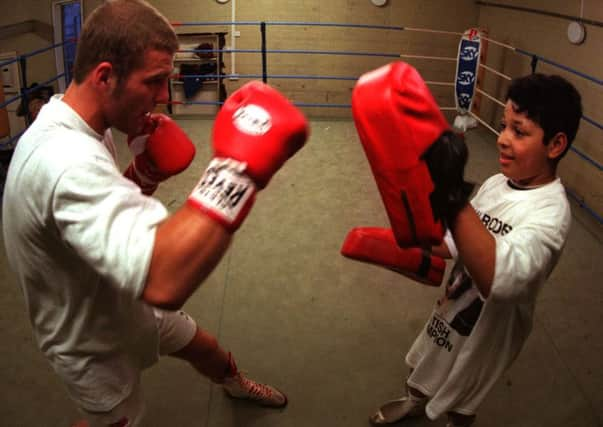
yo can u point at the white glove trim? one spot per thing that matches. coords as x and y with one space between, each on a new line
224 188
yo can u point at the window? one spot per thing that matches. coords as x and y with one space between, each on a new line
67 21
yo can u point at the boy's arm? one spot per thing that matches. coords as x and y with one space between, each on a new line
476 248
441 250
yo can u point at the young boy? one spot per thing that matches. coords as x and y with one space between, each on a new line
505 242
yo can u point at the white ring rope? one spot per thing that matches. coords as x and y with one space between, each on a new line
502 104
484 123
440 83
508 46
425 30
498 73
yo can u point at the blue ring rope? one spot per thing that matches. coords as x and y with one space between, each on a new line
44 49
348 53
14 138
28 90
327 24
58 76
332 52
309 104
583 205
563 67
585 157
300 51
298 104
35 52
290 23
10 101
592 122
10 61
189 23
258 76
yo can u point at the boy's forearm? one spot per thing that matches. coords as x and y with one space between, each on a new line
476 248
441 250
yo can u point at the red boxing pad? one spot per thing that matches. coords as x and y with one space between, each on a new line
397 120
377 246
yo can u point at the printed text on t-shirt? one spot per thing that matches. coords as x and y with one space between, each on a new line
494 225
439 331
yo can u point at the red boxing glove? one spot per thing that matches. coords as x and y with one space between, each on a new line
255 132
378 246
398 120
162 150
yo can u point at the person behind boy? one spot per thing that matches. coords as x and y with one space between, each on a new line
506 243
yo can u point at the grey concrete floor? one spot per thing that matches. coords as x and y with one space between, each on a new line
329 331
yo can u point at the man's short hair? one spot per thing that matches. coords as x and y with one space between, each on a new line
120 32
550 101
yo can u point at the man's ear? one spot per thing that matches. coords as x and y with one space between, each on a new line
102 75
556 145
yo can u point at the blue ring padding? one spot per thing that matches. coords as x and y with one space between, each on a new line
585 157
583 205
563 67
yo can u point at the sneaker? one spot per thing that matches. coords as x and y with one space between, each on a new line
241 387
394 410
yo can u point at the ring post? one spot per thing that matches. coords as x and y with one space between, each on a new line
264 67
24 94
534 63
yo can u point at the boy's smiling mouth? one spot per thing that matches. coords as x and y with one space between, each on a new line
505 159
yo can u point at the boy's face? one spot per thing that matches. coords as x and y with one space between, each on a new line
523 156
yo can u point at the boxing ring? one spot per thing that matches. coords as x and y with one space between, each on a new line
467 105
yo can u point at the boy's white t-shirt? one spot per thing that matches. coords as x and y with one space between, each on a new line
469 341
79 237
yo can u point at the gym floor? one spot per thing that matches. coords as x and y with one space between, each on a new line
328 331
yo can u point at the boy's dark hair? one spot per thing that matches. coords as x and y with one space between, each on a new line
551 101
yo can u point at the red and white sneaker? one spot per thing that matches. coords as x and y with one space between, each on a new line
241 387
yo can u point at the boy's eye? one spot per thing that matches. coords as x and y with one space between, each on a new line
502 125
518 131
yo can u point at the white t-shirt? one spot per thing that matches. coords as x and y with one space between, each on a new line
79 237
469 341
